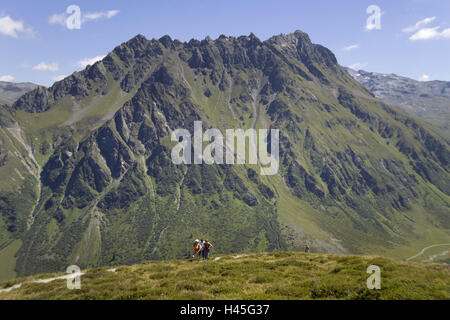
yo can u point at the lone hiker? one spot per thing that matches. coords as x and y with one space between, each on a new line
206 249
307 248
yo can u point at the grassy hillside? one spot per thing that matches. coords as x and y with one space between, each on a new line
278 275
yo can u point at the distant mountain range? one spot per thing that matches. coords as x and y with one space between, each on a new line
10 92
429 100
86 175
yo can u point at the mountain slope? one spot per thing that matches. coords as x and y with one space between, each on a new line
429 100
99 187
280 275
10 92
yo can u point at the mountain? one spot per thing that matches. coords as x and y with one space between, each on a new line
87 176
267 276
10 92
428 100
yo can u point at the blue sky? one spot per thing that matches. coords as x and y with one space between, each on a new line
37 46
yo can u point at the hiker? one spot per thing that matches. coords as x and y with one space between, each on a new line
307 248
202 245
206 249
197 249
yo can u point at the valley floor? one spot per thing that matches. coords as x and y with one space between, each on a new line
278 275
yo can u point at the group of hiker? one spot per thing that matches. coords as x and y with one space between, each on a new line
202 248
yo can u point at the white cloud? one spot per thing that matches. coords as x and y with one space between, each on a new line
44 66
7 78
58 19
89 61
357 66
424 77
61 18
99 15
12 28
351 47
58 78
431 34
112 13
92 16
419 24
